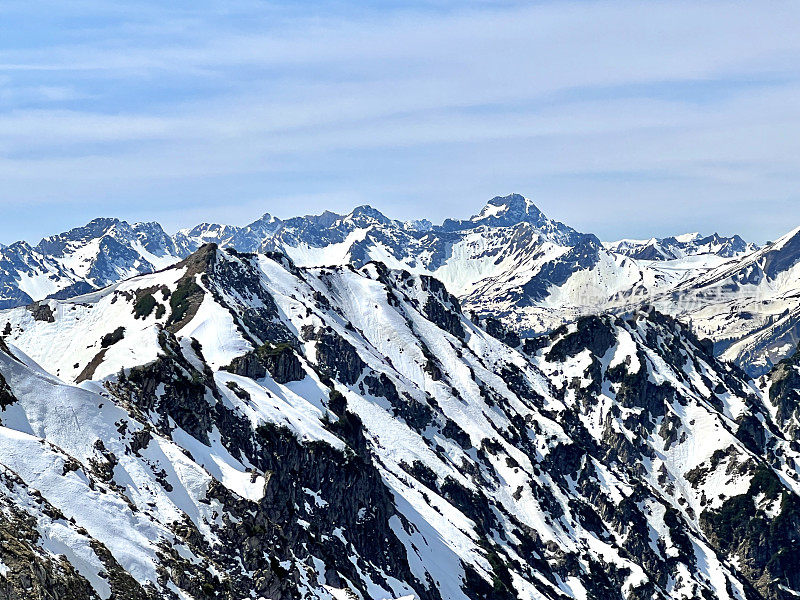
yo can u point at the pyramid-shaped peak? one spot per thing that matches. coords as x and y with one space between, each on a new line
199 261
368 212
512 201
266 218
511 209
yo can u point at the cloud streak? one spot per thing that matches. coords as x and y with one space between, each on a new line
675 115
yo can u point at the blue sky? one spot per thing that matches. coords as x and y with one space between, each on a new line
627 119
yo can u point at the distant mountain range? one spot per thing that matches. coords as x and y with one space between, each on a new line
350 407
509 261
681 246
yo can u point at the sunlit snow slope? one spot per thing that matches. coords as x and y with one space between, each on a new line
244 427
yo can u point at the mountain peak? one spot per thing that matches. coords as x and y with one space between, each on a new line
200 260
514 201
103 222
266 218
365 211
96 228
511 209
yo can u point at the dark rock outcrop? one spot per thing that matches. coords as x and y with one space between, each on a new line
279 360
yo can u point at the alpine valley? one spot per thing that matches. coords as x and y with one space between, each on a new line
351 407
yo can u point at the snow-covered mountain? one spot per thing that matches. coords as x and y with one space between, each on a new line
681 246
505 236
26 275
102 252
509 261
461 253
237 426
750 307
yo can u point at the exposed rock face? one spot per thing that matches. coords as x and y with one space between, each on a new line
508 262
187 396
442 308
768 544
784 393
30 573
261 536
356 501
6 395
42 312
313 433
498 331
336 357
280 361
590 333
253 306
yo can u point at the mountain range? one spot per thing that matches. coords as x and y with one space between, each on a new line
238 426
509 262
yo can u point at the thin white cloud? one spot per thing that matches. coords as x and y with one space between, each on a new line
653 97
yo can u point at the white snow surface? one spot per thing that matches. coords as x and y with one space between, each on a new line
473 413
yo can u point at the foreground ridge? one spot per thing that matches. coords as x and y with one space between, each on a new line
236 425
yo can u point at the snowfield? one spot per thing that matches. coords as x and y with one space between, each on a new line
340 431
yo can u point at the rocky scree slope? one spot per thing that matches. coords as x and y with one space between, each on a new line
243 426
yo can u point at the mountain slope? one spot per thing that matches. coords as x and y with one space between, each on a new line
26 274
326 409
102 252
749 307
509 262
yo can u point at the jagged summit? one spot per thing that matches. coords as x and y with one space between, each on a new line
365 211
201 259
501 211
683 246
510 260
509 210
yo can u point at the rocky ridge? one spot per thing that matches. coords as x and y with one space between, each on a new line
509 262
259 427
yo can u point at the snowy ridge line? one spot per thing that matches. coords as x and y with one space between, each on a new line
509 261
268 423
